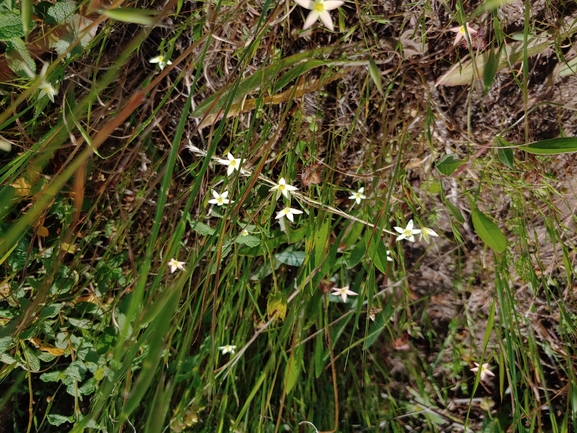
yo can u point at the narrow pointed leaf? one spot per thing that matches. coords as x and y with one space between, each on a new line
553 146
489 232
376 76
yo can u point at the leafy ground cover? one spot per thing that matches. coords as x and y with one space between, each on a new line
264 216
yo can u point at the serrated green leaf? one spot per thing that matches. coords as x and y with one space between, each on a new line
553 146
489 232
18 58
59 12
202 228
249 241
5 343
51 310
10 26
32 361
51 376
291 258
57 420
448 164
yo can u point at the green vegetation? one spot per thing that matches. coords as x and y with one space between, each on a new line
212 220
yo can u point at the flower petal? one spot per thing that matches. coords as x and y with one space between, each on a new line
311 19
327 20
332 4
308 4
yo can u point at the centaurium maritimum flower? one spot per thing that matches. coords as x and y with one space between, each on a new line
407 233
46 88
161 60
288 212
174 265
283 188
359 196
219 199
484 370
343 292
319 9
227 349
461 33
232 163
426 232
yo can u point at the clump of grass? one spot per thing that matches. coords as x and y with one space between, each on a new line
270 229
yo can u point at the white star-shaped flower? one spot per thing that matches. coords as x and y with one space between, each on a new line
426 232
174 265
162 62
283 188
232 163
461 33
319 9
46 89
407 233
227 349
358 196
484 370
288 212
219 199
343 292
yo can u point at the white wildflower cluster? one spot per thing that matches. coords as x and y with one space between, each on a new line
408 233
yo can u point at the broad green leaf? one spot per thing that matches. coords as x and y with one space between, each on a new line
504 151
464 72
448 164
376 75
378 253
131 15
291 258
489 232
59 12
10 26
506 156
553 146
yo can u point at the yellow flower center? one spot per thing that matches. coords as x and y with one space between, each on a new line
319 6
